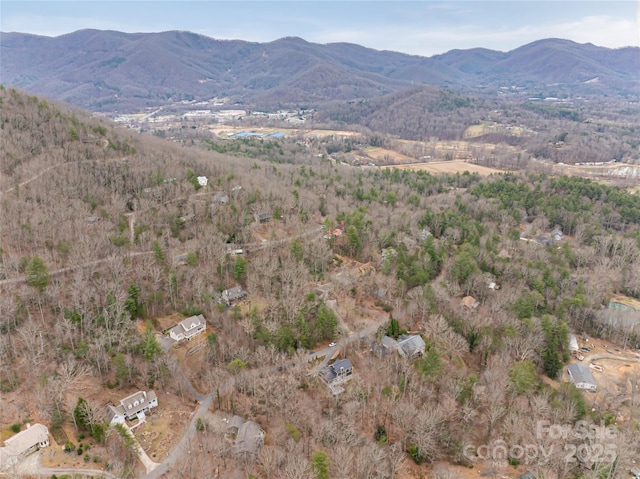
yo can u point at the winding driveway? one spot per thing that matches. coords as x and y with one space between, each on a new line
595 357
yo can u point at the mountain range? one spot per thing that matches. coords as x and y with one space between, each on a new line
109 70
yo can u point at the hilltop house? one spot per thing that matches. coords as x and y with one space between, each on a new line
581 377
424 234
180 259
470 302
262 217
336 374
188 328
131 407
25 442
249 436
221 198
408 345
333 233
230 295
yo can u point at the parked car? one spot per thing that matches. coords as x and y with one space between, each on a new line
332 345
586 350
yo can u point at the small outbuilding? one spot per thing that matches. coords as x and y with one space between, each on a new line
573 344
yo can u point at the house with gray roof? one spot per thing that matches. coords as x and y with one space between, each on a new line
408 345
411 345
581 377
389 344
180 258
188 328
340 370
234 424
250 438
263 217
230 295
25 442
131 407
336 374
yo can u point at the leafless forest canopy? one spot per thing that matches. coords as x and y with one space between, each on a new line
105 230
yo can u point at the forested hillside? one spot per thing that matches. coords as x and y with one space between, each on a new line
109 237
116 71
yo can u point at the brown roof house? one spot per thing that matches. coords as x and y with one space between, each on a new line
470 302
188 328
23 444
131 407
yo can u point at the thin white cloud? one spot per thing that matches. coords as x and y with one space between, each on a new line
599 30
435 27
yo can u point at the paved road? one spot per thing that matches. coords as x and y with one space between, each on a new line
252 246
58 165
22 279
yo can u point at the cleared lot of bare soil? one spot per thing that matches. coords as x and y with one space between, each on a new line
450 167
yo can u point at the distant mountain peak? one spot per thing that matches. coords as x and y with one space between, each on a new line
103 69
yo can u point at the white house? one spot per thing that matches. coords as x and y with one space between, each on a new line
131 407
581 377
188 328
25 442
203 180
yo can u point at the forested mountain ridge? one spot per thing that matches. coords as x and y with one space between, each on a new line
108 70
111 237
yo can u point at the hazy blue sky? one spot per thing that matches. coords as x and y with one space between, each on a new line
418 27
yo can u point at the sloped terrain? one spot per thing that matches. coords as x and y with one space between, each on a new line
108 70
